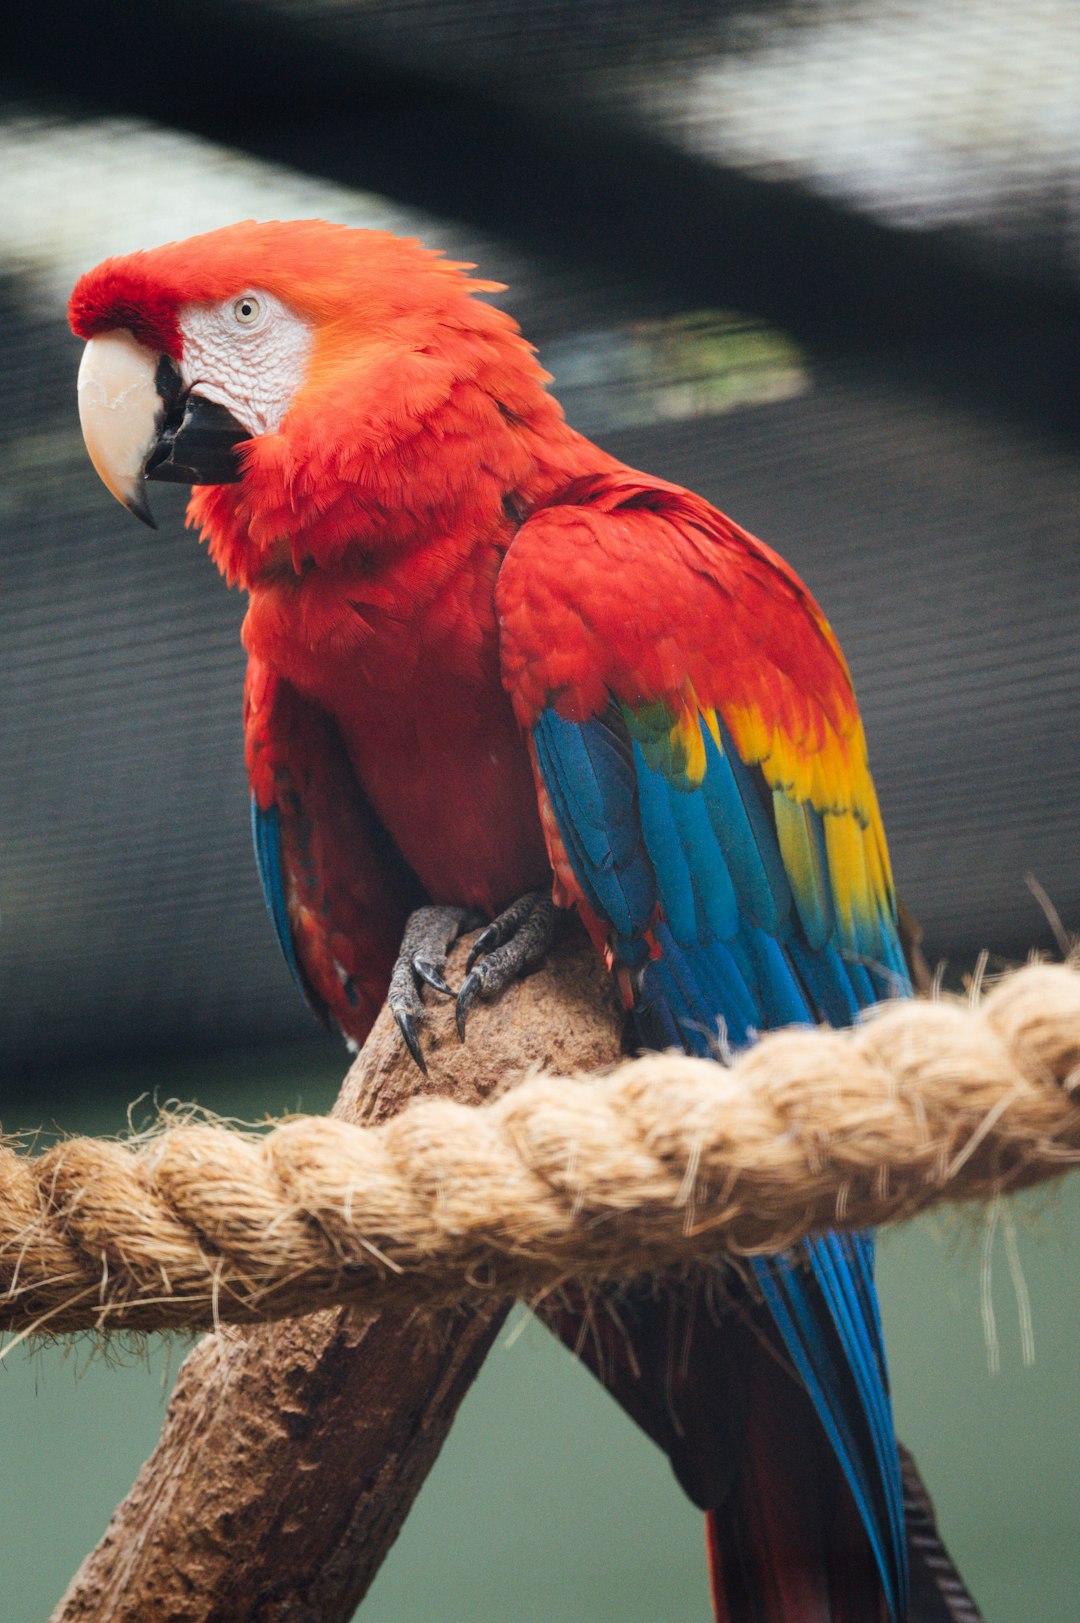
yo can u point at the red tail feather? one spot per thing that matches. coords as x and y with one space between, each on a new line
788 1545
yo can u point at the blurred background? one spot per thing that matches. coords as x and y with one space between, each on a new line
818 260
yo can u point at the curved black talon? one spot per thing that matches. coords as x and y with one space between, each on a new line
484 942
471 987
512 921
431 976
429 934
407 1026
508 948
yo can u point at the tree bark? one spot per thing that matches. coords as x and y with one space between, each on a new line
291 1453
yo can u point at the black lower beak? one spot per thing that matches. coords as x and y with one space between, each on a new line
199 448
198 438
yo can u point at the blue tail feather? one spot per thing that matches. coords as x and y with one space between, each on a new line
809 1310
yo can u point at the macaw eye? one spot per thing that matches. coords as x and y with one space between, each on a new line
247 310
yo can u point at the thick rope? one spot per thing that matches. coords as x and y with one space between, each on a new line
665 1160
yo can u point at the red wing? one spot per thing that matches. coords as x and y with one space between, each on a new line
635 618
703 783
337 889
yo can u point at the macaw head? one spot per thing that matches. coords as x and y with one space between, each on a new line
296 370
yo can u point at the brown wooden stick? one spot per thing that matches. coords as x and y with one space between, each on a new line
291 1453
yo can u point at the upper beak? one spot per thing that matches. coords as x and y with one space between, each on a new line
140 423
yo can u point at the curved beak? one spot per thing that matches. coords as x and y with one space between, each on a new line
140 423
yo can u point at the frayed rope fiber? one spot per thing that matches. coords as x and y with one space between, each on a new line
664 1160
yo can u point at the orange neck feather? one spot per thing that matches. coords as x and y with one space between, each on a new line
387 447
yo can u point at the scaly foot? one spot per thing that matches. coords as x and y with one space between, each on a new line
429 935
510 945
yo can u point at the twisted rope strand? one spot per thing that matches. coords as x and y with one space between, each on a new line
665 1160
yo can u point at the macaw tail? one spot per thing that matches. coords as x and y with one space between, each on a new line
751 1581
788 1545
700 1367
938 1594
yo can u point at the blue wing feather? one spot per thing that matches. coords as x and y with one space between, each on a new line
837 989
591 786
266 837
736 951
742 827
665 850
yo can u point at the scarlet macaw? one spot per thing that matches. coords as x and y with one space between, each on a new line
491 667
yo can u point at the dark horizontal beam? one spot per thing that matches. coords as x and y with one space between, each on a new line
563 179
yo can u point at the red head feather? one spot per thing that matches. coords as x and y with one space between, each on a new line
415 391
326 272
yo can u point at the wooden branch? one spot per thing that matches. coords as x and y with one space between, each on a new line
291 1453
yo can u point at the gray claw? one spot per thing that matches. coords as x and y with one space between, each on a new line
522 921
407 1026
484 942
431 976
511 945
470 989
429 934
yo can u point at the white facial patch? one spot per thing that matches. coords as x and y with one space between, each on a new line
248 354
